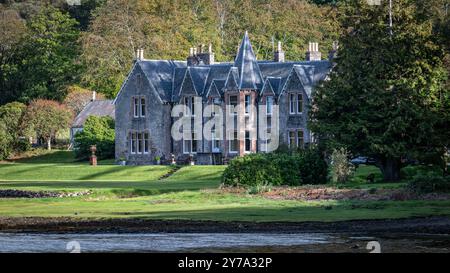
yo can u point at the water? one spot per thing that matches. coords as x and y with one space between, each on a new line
223 242
155 242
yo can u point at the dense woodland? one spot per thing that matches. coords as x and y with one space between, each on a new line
92 45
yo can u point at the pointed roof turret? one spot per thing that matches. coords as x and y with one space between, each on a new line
249 73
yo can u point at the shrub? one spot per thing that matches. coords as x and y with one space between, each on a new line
97 131
251 170
341 168
305 167
429 183
313 167
5 142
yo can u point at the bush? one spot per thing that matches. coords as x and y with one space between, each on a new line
304 167
5 142
429 183
341 168
313 167
251 170
96 131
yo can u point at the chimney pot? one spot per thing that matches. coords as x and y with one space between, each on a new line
94 95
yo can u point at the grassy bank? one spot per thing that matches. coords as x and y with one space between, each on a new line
191 194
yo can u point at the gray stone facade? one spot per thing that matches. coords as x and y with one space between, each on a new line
153 89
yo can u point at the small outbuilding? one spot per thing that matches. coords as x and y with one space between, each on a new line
99 108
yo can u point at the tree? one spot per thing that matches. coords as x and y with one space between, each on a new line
167 29
97 131
11 115
385 97
46 118
77 98
47 56
12 31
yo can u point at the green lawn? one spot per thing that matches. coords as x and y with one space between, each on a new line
191 193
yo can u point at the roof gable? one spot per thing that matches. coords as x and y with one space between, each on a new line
249 73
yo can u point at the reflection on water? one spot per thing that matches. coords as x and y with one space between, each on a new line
163 242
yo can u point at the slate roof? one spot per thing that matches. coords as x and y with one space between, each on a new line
168 77
98 108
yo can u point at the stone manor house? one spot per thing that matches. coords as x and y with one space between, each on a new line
144 104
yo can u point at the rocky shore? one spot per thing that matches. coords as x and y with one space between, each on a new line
40 194
429 225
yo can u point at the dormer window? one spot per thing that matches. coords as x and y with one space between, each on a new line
295 104
139 110
269 105
248 104
190 106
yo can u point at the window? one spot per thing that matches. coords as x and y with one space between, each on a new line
296 139
146 140
136 107
139 107
295 103
299 103
248 141
217 101
300 138
190 145
269 105
189 103
133 143
292 103
142 107
233 142
233 102
215 143
264 147
292 142
248 103
139 142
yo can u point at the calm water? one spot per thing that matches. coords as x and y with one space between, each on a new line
164 242
222 242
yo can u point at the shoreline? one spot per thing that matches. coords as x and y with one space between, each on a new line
424 225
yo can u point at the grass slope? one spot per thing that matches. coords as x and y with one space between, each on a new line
190 193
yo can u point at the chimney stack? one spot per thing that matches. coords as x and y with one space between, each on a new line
198 55
139 54
278 55
313 53
333 52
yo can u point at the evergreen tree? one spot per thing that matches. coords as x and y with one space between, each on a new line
385 97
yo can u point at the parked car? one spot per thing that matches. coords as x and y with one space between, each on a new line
359 160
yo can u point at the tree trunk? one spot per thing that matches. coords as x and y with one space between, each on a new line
390 167
49 143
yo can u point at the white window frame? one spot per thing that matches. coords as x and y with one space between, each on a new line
232 138
189 102
247 104
191 144
292 104
234 113
214 148
133 141
269 106
142 105
290 140
138 103
300 103
245 142
302 138
146 137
